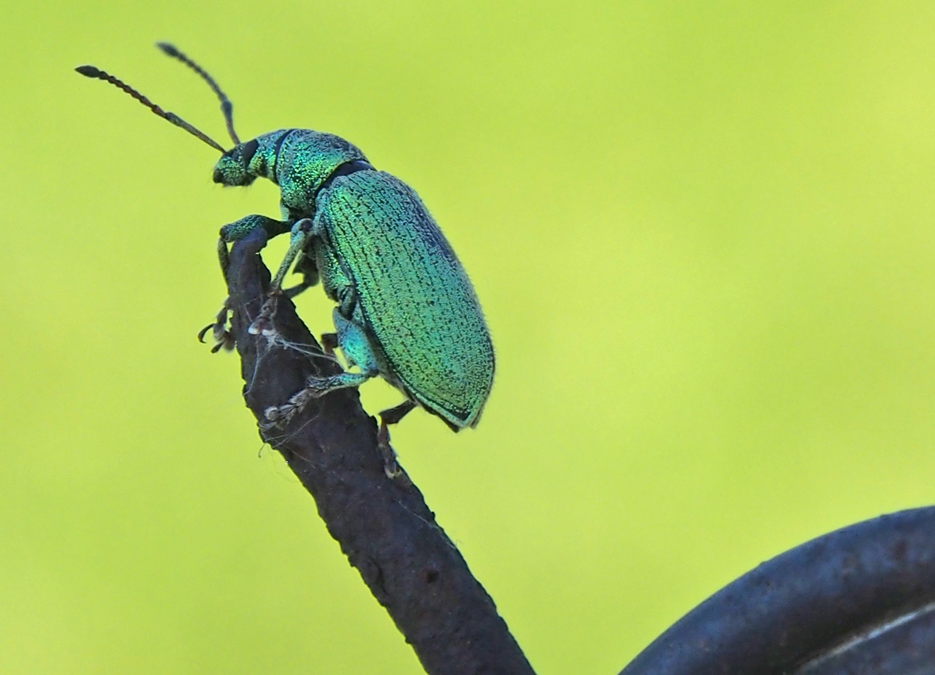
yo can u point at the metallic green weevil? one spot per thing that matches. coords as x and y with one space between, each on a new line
406 309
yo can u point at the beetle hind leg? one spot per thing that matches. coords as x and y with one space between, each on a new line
387 417
315 387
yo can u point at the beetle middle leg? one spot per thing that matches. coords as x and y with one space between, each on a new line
302 232
306 266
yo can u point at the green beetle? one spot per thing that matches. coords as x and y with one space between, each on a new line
406 309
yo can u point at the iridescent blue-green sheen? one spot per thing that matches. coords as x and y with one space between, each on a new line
406 308
418 303
304 161
298 160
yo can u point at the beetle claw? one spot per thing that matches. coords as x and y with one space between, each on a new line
223 338
203 332
390 464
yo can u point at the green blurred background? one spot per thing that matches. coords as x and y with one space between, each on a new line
703 235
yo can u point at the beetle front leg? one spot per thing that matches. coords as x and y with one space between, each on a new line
223 338
241 228
230 233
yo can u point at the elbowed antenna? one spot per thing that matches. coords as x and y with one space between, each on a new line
96 73
227 108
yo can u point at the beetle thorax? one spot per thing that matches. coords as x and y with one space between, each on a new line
304 161
300 161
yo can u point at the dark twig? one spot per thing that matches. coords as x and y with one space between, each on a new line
383 525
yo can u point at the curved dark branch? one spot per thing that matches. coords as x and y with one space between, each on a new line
383 525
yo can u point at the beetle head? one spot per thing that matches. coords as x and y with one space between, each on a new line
234 166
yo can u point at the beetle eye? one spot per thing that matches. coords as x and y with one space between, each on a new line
248 150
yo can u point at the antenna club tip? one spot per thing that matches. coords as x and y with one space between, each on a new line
88 71
169 49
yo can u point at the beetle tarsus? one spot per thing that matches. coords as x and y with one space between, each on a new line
263 324
315 387
281 414
387 417
223 338
390 464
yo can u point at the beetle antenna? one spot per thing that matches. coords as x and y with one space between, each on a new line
226 106
96 73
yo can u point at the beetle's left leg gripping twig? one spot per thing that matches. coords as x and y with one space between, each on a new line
223 338
242 228
230 233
